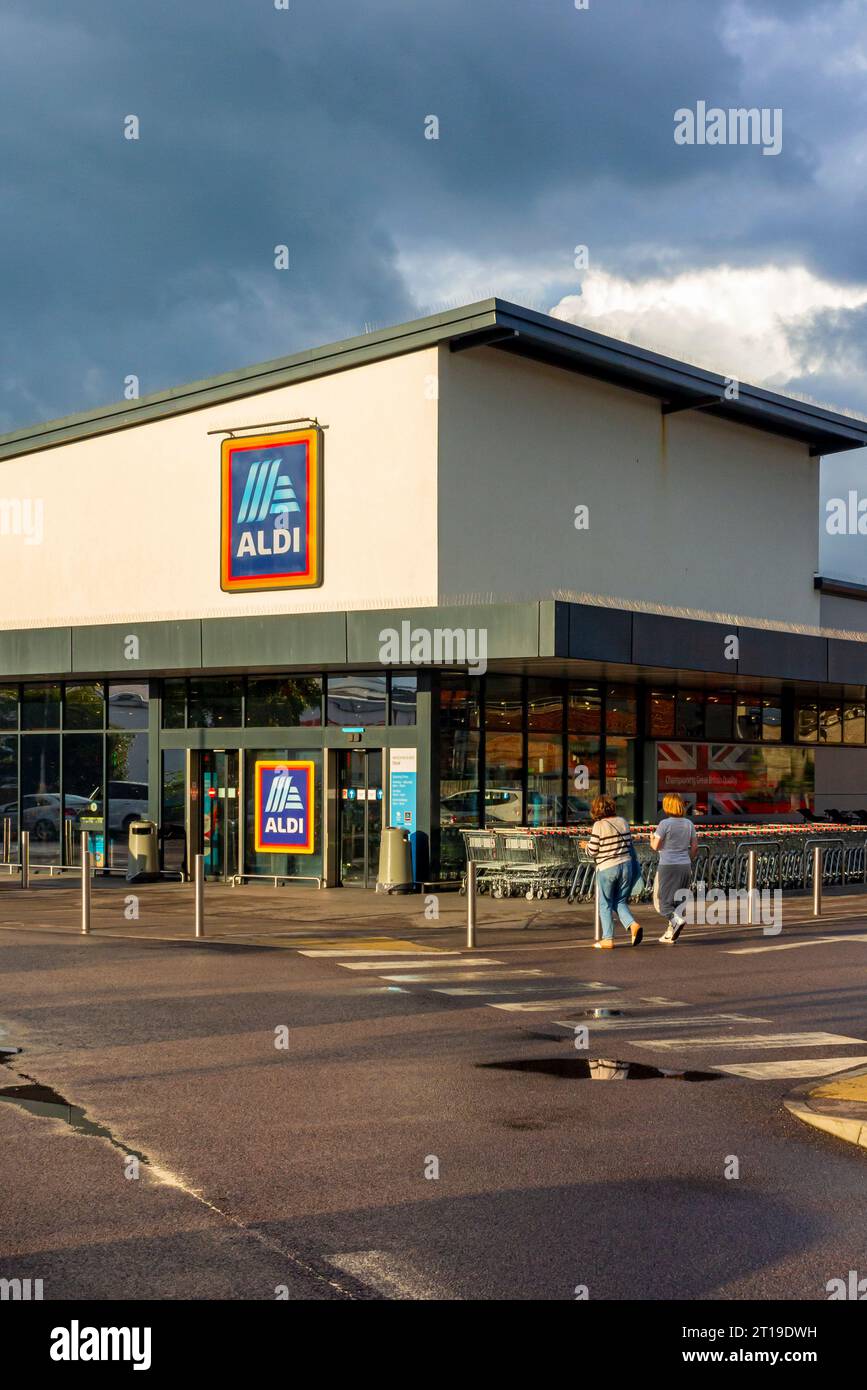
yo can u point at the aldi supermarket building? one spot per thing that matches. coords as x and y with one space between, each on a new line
467 571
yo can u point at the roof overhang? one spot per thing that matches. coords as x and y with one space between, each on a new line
491 323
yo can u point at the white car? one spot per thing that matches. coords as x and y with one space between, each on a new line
41 813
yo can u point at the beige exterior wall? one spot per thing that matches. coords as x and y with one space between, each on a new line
686 511
132 519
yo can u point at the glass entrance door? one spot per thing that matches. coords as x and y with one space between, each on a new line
360 816
220 821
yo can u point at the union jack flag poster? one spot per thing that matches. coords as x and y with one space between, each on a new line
715 778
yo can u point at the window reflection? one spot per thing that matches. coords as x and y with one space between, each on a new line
621 709
854 730
128 705
40 706
545 706
404 695
127 791
83 706
40 795
215 703
356 700
284 701
503 703
82 785
8 707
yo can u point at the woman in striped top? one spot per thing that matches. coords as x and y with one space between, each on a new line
610 845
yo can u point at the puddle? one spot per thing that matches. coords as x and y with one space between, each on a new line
597 1069
42 1100
602 1013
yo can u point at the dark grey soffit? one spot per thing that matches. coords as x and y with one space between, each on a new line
515 632
492 323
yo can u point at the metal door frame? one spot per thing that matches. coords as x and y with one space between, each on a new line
370 873
195 810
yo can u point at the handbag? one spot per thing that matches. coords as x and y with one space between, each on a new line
637 885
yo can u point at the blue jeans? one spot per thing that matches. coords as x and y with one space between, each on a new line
614 888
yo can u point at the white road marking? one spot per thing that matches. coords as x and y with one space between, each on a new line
756 1040
790 945
466 975
540 1006
771 1071
505 988
389 1274
461 962
700 1020
373 953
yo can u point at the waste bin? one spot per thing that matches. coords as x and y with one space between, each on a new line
395 862
143 863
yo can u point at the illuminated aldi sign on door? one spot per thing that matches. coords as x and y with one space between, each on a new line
272 511
284 807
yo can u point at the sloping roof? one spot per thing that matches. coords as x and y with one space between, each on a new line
491 323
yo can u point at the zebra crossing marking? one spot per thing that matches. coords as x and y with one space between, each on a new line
364 947
788 1069
529 1006
698 1020
758 1041
432 962
463 976
499 989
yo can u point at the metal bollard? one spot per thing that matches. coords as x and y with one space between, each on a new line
25 858
471 904
818 873
597 920
200 894
751 887
85 885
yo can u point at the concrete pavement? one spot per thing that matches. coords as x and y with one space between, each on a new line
310 1162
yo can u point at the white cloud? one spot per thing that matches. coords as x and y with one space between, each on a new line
732 320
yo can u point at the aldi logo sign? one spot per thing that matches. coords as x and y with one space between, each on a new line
271 511
284 807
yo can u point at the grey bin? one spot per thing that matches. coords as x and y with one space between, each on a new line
395 862
143 846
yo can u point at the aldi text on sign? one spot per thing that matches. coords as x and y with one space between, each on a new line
271 511
285 807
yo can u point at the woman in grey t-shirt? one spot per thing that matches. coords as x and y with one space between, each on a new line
677 843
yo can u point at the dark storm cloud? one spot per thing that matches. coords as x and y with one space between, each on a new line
833 342
305 127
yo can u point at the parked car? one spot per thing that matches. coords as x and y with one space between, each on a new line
41 813
127 801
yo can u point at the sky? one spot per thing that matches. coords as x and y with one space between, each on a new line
305 126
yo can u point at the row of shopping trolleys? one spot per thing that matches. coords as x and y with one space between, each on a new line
549 862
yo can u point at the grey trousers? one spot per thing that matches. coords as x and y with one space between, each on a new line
669 878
